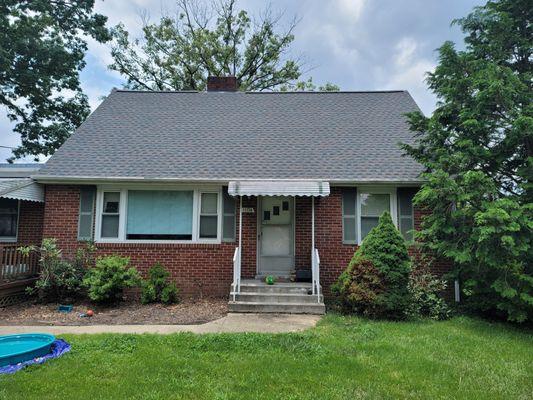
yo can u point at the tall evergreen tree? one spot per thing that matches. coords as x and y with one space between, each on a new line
477 148
41 54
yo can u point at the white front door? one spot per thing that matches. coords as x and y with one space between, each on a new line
275 236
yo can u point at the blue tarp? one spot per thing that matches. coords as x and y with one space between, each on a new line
59 347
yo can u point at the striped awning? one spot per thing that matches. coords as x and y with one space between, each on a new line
278 188
21 189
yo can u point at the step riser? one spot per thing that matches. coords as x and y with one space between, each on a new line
276 298
274 289
280 309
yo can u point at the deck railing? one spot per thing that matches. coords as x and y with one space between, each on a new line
315 272
15 265
236 272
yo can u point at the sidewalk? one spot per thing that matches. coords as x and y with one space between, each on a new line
232 323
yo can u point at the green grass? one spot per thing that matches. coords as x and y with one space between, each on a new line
342 358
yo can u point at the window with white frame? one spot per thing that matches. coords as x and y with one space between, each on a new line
9 212
110 215
140 215
372 206
208 215
361 209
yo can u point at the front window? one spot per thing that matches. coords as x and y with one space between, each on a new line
159 215
181 214
9 210
372 206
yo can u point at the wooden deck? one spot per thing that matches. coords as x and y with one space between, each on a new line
17 271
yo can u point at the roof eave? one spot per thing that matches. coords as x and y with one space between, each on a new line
49 179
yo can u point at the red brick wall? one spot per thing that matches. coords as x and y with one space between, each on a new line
206 269
303 231
197 269
334 255
249 238
30 226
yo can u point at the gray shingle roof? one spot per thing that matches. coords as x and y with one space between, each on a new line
343 136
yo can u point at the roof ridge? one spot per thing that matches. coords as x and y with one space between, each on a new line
265 92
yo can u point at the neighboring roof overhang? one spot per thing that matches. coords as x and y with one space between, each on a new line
278 188
21 189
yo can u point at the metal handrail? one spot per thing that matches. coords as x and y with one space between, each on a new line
236 272
315 270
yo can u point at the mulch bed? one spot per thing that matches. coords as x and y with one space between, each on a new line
187 312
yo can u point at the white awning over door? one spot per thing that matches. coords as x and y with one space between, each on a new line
278 188
21 189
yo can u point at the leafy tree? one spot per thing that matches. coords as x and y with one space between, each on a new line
477 149
42 52
375 282
309 86
180 52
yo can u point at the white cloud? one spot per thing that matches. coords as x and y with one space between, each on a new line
405 50
350 8
409 72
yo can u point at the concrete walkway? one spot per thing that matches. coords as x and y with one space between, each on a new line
232 323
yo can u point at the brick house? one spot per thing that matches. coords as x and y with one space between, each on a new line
223 187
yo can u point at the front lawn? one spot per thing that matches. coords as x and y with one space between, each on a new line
343 358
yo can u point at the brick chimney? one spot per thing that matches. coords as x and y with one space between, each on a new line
221 84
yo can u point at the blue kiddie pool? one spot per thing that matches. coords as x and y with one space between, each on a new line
19 348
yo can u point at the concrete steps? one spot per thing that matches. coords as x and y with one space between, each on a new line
284 298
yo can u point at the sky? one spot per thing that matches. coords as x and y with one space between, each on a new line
355 44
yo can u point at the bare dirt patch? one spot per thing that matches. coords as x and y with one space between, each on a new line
187 312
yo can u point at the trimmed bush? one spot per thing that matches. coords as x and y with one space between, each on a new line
108 279
158 288
385 249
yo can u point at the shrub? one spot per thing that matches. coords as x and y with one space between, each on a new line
158 288
425 299
385 248
108 279
59 279
360 288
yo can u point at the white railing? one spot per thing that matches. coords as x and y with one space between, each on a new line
315 270
236 272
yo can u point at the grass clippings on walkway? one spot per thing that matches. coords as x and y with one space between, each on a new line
342 358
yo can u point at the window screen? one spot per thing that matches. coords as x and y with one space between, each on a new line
157 215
